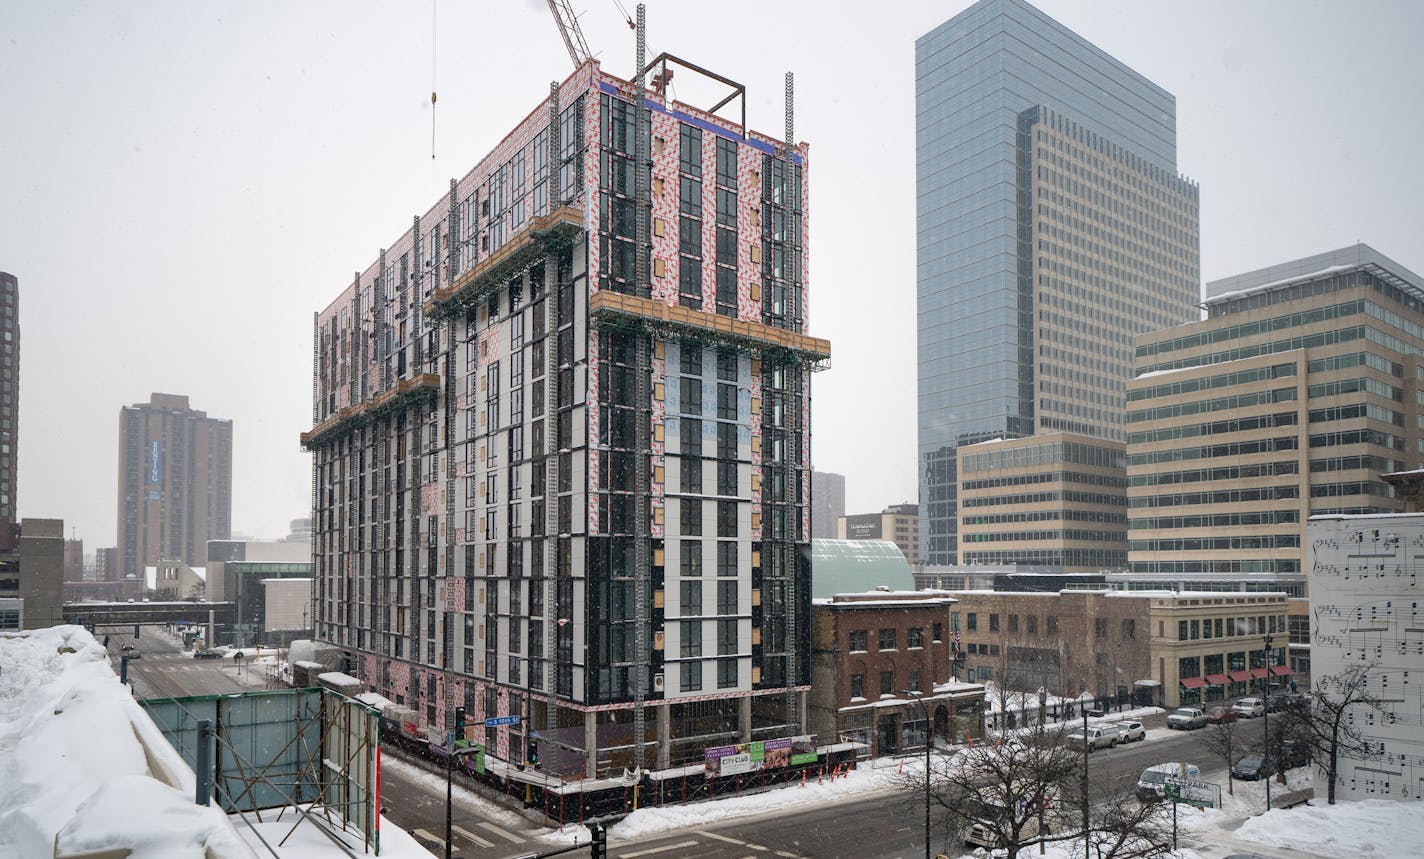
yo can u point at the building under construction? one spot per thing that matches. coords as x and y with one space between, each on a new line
561 438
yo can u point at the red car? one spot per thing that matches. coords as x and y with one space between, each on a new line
1217 715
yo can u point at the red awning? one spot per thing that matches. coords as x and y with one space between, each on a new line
1259 673
1240 676
1216 679
1280 670
1193 682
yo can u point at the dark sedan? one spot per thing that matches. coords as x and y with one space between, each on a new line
1253 768
208 654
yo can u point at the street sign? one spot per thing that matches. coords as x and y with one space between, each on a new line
501 720
1174 791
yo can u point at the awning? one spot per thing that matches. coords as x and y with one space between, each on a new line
1216 679
1280 670
1241 676
1259 673
1194 682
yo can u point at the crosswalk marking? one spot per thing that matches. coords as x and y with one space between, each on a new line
663 849
508 836
472 836
429 837
720 837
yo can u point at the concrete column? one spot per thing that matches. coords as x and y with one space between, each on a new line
590 743
664 720
803 702
744 716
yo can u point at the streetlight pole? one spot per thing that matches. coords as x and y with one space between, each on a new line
929 743
1266 718
449 791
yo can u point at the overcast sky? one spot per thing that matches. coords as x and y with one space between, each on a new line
182 184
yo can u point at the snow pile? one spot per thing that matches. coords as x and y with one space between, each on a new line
83 761
307 841
1370 827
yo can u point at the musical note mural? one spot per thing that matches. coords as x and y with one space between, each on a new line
1367 609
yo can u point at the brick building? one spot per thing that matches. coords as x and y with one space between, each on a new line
876 658
1147 647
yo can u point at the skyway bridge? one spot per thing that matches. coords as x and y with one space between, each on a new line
101 614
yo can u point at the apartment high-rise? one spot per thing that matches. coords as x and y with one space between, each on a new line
9 405
175 483
1052 228
562 443
1289 400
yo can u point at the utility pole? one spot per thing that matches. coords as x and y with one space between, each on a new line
1266 720
1087 846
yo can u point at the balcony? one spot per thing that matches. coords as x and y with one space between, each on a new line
421 388
615 308
555 230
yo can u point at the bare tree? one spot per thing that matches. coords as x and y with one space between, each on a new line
1008 793
1125 827
1326 726
1221 740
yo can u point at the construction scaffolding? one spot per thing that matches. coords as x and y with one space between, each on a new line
309 752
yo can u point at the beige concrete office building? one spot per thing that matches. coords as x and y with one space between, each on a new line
1289 400
898 523
1057 500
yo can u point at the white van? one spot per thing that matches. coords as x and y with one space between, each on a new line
1153 781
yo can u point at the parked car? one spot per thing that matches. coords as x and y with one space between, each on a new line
1187 718
1253 767
1285 701
1218 715
1249 708
208 654
1094 737
1130 732
1294 754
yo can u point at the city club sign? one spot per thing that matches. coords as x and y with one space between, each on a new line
748 757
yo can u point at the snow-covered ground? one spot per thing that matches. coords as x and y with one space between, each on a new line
82 761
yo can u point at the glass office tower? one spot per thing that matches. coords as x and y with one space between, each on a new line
1052 228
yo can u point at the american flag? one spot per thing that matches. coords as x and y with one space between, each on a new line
956 642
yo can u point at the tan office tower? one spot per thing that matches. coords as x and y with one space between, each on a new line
1057 500
1291 398
175 483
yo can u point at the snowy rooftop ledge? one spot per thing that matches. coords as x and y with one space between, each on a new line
87 773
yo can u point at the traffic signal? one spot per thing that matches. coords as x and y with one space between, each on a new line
135 630
460 723
599 846
533 751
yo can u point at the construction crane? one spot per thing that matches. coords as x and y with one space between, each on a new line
569 28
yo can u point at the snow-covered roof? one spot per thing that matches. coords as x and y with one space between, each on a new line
1319 265
86 769
851 566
